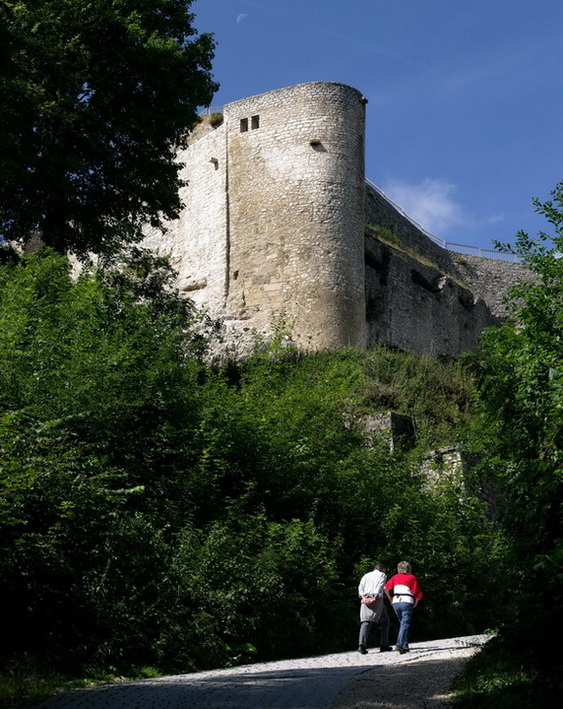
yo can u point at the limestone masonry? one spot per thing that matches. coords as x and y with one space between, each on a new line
279 223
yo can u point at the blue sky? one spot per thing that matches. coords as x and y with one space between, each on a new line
464 120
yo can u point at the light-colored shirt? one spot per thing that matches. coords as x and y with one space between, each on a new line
372 584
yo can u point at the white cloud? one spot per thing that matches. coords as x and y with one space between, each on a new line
495 219
431 203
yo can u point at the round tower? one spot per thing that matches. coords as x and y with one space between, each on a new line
295 212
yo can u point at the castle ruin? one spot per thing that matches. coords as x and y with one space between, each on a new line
278 221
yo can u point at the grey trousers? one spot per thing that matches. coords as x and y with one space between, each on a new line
365 627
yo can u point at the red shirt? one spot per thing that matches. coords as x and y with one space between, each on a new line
405 587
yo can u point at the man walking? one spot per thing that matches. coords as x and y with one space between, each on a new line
372 608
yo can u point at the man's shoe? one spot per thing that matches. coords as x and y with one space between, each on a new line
385 648
362 650
401 650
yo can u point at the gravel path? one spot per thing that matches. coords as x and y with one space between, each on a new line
417 680
421 682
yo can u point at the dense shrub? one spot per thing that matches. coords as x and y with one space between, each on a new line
520 384
155 511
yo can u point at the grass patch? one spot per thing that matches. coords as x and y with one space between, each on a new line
215 119
22 686
389 238
19 690
503 678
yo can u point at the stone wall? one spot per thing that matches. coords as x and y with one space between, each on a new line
400 231
490 279
424 298
296 190
279 223
412 304
197 242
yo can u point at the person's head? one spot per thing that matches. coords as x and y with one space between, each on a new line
379 567
403 567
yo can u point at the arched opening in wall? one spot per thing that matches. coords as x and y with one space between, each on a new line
317 146
466 301
380 267
421 281
373 310
373 262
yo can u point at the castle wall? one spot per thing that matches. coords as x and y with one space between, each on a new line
424 298
413 305
296 191
490 279
402 233
278 223
197 242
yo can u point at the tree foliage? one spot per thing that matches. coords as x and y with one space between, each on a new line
520 380
94 98
155 511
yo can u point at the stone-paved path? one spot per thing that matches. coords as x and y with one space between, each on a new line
305 683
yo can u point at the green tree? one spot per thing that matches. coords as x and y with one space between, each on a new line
520 379
155 511
94 98
98 406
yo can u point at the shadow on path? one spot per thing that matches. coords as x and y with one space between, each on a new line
421 684
311 688
374 680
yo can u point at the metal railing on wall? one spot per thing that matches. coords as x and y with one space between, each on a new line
450 246
211 109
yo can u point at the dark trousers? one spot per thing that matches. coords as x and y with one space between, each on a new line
365 627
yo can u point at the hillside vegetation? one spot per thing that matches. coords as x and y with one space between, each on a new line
519 438
159 512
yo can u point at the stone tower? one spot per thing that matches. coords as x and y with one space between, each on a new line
274 215
279 223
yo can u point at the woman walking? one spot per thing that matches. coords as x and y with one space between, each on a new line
406 595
